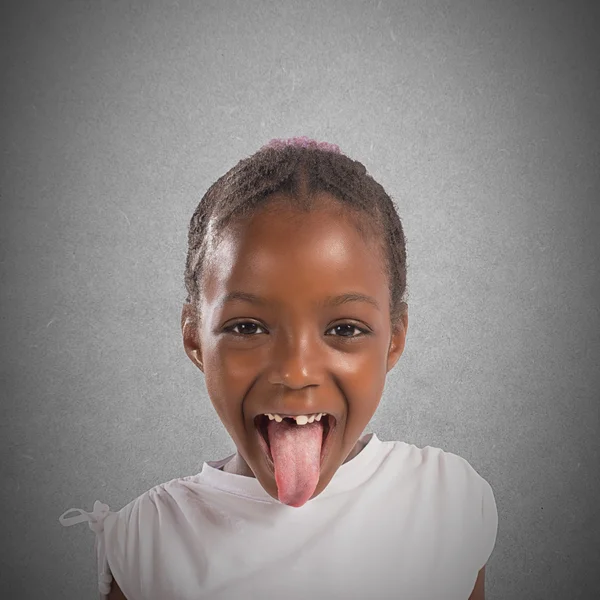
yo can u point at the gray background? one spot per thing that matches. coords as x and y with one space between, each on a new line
479 118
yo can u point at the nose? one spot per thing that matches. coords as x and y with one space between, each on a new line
296 362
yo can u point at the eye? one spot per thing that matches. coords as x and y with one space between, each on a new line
344 327
349 327
241 324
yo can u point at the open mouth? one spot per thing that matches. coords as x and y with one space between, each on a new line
261 423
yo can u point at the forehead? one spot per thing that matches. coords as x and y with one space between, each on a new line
290 256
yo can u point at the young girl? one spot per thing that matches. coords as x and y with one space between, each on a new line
296 281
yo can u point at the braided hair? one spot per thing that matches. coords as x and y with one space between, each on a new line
299 168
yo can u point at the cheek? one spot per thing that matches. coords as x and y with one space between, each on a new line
364 386
227 377
364 370
230 370
225 364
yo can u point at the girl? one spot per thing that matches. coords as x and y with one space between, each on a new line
296 282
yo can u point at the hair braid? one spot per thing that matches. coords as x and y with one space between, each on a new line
299 168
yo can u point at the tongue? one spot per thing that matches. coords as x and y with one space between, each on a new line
296 451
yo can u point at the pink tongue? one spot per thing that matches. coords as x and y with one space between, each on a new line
296 451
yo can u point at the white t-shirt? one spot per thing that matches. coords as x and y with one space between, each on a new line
396 521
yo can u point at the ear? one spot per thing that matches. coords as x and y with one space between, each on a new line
398 339
191 338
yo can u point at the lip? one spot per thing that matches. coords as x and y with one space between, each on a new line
325 448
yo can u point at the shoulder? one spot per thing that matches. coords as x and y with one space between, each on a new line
156 517
445 477
163 501
464 500
479 488
133 536
437 464
453 474
133 520
458 474
479 504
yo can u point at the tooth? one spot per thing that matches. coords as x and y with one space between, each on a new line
300 419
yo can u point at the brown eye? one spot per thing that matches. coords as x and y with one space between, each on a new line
242 325
247 329
348 327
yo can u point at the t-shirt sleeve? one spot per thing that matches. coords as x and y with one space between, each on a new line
489 522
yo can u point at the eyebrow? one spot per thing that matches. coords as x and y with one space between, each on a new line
328 301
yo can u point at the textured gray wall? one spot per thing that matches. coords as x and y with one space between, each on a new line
479 118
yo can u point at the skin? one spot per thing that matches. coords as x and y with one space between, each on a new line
290 360
291 365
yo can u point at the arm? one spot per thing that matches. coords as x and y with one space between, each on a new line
116 593
478 592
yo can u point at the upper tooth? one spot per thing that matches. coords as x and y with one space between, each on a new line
300 419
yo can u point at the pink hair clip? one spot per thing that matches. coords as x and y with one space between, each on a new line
304 142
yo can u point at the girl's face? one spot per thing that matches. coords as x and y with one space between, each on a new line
293 352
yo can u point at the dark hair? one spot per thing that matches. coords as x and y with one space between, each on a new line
299 173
